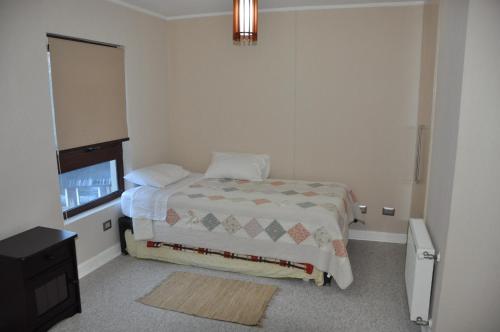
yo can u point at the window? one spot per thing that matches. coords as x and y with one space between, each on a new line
90 176
87 184
87 83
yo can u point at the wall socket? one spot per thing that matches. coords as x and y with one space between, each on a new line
106 225
388 211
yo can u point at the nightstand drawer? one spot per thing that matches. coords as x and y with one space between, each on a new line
47 259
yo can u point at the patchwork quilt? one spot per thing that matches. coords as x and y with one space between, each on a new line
293 220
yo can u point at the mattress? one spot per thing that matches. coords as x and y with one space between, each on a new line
299 221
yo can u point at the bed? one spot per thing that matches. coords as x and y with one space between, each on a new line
300 227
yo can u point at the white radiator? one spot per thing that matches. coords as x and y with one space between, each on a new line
420 256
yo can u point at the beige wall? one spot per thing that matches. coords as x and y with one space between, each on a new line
467 293
29 195
330 95
211 84
425 104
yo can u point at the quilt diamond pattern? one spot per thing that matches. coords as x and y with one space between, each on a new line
253 228
298 233
306 205
275 230
339 247
322 237
193 217
215 197
210 221
231 224
172 217
261 201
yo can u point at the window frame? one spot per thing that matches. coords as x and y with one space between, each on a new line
76 158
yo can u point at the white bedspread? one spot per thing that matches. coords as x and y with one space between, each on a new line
299 221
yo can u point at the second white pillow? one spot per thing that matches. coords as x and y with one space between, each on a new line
242 166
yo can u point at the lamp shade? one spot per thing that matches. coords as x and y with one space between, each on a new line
245 21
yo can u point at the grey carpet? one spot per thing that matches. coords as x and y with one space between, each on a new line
376 301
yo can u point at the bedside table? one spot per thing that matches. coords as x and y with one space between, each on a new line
38 279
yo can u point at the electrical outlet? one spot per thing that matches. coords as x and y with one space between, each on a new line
106 225
388 211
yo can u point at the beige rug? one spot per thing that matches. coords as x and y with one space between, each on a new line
211 297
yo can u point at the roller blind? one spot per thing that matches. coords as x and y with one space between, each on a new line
88 87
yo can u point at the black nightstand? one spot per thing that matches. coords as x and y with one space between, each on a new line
38 279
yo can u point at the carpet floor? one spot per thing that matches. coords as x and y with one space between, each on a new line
376 301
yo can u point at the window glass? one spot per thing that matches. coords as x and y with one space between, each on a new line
87 184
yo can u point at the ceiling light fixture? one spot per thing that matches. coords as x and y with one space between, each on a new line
245 22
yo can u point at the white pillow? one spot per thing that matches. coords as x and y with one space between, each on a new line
160 175
243 166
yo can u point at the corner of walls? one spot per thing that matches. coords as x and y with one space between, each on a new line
95 262
425 108
92 240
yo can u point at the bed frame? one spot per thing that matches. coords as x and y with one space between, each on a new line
125 223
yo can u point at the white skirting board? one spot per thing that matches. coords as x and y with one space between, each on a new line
425 329
98 260
356 234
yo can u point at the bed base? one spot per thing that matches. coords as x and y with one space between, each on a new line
125 223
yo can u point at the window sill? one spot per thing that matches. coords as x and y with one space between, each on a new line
91 212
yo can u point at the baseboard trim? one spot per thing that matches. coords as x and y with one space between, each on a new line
98 260
357 234
425 329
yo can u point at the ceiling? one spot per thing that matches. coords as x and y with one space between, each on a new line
169 9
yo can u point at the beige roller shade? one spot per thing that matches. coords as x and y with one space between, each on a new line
88 83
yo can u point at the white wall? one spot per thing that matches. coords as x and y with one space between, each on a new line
29 194
467 290
452 25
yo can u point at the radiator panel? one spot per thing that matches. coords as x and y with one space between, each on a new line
418 270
